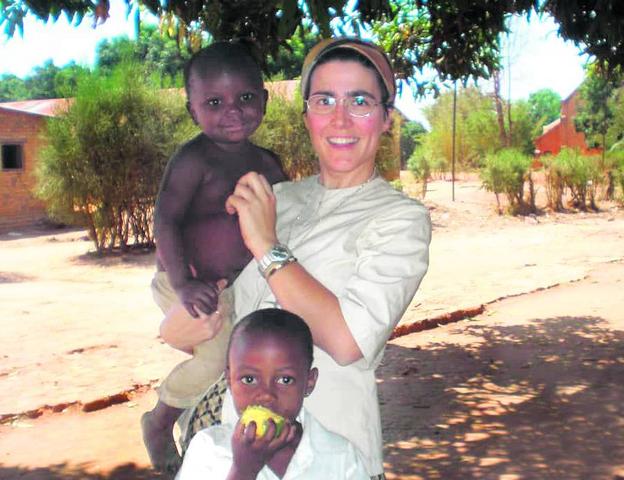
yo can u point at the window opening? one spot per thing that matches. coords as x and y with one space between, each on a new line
12 157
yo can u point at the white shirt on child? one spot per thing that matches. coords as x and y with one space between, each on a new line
321 455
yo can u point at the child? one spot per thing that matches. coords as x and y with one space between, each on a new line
269 363
198 243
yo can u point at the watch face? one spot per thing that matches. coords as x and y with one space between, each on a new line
279 253
274 259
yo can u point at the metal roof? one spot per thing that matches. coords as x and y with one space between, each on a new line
48 107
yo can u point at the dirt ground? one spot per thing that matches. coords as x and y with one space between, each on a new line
529 384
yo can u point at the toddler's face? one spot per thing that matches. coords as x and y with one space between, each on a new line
269 371
227 106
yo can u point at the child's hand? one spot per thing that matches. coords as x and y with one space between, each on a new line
252 453
196 295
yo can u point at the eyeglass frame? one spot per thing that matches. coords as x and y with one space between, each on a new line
386 105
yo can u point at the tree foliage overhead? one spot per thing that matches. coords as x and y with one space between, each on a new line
458 40
157 54
545 106
598 104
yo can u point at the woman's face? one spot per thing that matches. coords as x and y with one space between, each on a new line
346 145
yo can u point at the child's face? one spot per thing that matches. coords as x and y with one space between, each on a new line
269 371
227 106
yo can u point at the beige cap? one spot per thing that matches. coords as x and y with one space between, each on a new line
368 50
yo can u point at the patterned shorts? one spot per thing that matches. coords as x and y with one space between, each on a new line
206 413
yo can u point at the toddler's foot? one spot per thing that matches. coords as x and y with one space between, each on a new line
160 445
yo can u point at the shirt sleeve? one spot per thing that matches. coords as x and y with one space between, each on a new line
355 469
208 456
392 259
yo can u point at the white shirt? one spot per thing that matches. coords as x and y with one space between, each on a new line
320 455
369 245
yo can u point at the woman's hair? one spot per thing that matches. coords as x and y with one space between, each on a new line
349 55
234 56
278 323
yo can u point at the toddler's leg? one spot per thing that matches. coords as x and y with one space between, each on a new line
157 426
182 389
162 292
188 381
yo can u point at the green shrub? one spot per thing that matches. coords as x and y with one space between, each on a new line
419 163
618 171
581 174
388 159
555 186
505 172
107 153
284 132
397 184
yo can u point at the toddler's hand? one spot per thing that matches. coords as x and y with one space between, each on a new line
196 295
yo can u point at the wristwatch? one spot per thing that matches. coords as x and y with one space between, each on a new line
277 256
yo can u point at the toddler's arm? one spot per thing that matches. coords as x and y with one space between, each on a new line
182 178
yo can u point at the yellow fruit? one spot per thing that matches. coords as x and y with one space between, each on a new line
260 415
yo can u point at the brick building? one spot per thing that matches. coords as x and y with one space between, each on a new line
562 132
21 126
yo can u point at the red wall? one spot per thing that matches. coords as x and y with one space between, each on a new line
18 206
564 134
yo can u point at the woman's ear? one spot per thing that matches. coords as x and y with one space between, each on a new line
388 111
311 383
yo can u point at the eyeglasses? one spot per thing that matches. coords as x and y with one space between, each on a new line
356 105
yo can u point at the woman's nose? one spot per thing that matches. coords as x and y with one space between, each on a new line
341 115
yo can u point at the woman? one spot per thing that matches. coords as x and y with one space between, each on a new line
342 249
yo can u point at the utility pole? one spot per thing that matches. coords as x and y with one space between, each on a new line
453 154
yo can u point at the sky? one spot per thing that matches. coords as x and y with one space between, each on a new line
538 57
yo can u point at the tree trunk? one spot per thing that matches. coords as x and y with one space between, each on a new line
500 115
610 194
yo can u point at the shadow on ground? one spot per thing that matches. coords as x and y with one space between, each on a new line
80 472
544 401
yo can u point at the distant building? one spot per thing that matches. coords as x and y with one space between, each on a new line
562 132
21 127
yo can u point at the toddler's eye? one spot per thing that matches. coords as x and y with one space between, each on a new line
213 102
248 380
286 380
247 97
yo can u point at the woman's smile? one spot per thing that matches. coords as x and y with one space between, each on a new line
342 141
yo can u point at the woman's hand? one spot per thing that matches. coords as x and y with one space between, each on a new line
183 332
254 202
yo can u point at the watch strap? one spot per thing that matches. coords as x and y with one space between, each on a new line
278 256
274 267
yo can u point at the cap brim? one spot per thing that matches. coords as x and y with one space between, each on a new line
368 50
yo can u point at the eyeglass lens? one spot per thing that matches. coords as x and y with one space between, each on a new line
356 105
